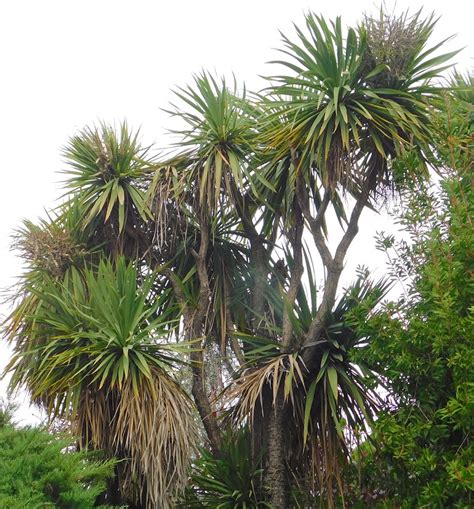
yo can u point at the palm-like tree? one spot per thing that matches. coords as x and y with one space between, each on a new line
337 123
107 175
95 353
91 334
328 405
210 247
355 100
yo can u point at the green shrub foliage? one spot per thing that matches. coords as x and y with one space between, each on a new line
39 470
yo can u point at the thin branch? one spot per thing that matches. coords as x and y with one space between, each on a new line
314 222
275 229
178 291
258 257
352 229
201 266
242 209
193 326
234 342
334 271
296 272
203 404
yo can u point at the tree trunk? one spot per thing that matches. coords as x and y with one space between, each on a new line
276 480
203 404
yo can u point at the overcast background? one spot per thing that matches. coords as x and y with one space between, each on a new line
68 63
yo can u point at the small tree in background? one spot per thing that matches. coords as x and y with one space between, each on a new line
35 470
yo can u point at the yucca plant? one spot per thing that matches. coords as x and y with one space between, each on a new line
330 402
342 119
107 172
215 247
94 352
48 249
220 140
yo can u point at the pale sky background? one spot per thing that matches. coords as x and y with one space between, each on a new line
68 63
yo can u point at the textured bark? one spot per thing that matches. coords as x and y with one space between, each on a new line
276 479
203 404
197 328
314 222
260 272
258 436
296 272
194 326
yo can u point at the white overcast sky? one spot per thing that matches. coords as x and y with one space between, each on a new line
68 63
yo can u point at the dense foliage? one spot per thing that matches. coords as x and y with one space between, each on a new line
35 470
421 452
188 312
228 482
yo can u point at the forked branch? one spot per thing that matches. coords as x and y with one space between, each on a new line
334 269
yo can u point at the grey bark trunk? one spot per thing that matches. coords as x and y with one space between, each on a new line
276 479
